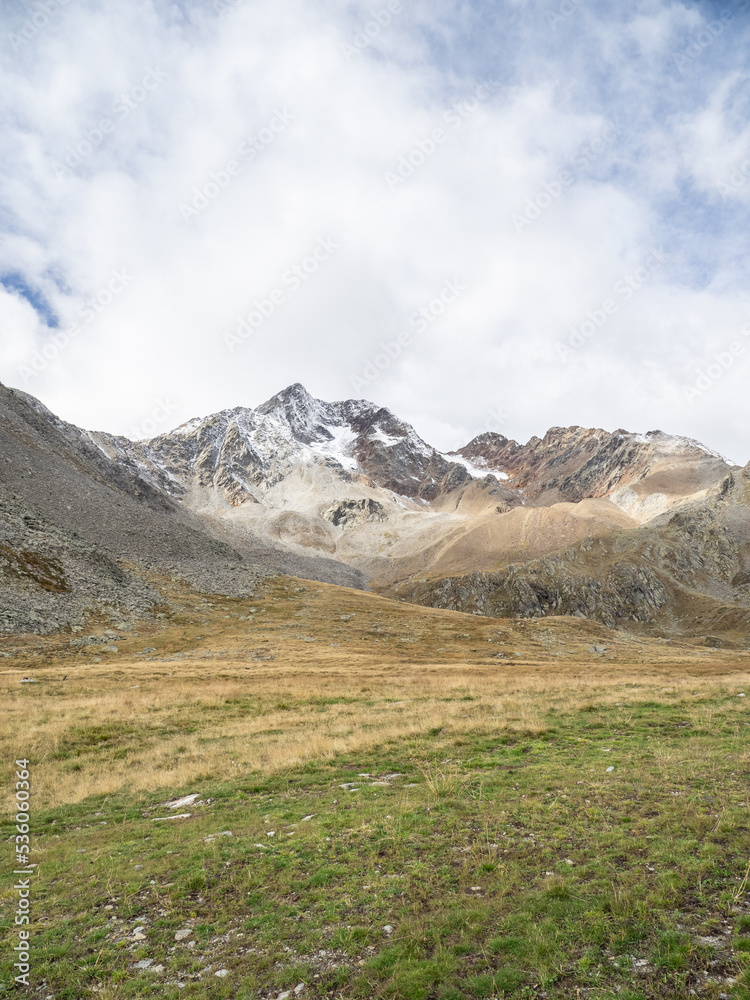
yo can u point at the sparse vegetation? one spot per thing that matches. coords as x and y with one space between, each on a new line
378 822
46 572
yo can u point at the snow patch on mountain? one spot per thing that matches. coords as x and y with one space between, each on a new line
676 443
339 447
388 440
478 469
189 427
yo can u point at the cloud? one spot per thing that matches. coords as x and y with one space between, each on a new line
204 151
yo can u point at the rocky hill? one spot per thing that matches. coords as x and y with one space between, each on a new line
685 574
640 473
81 533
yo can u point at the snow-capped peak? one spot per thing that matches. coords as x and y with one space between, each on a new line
245 450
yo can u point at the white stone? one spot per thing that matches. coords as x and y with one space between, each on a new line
186 800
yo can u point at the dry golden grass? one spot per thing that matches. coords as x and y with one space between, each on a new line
159 724
376 707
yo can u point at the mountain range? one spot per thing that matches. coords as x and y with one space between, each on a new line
645 532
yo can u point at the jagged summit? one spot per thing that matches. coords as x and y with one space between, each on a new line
296 393
305 416
242 453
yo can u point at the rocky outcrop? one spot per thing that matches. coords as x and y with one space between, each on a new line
625 594
349 512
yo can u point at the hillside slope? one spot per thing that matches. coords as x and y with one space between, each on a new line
78 530
685 574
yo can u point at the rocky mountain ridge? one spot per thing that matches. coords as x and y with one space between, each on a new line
242 453
286 470
575 463
581 521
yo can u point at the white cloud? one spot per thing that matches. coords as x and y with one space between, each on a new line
187 90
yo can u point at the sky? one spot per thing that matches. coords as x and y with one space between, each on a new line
487 216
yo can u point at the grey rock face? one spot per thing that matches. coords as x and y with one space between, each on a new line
350 512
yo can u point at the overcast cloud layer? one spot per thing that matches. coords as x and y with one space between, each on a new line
562 188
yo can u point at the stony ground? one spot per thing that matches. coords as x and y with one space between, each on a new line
321 793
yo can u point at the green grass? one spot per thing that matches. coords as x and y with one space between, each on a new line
515 866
